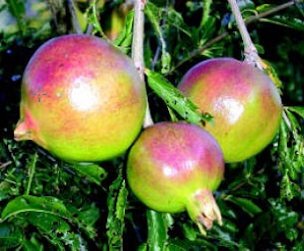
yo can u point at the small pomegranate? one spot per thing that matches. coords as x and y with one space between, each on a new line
81 99
244 102
174 167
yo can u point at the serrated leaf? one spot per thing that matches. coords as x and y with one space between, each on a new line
92 172
285 217
175 99
158 226
245 204
57 231
288 188
10 236
29 203
117 203
291 152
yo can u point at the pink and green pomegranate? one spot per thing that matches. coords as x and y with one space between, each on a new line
243 101
173 167
81 99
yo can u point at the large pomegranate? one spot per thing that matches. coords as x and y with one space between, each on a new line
244 102
82 99
174 167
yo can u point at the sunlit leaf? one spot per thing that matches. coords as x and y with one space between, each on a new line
175 99
297 109
92 172
29 203
158 226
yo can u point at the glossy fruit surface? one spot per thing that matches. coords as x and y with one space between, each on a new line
243 101
82 99
173 167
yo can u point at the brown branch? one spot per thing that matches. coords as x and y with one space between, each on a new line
250 51
138 48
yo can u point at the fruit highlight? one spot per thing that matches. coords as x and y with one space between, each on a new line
243 101
81 99
174 167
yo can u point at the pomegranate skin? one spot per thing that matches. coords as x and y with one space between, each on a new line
81 99
244 102
173 167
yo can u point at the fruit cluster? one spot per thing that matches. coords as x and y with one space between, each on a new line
83 100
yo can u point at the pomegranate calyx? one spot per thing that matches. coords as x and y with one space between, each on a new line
22 132
203 210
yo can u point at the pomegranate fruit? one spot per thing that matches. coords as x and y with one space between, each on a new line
81 99
174 167
243 101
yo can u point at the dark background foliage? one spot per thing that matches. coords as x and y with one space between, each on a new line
47 204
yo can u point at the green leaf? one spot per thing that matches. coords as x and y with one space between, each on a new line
10 236
289 189
154 14
17 9
57 230
285 219
247 205
8 24
175 99
92 172
93 18
293 23
186 245
48 223
124 39
176 20
297 109
32 245
272 73
117 203
28 203
206 12
291 152
225 239
89 215
158 226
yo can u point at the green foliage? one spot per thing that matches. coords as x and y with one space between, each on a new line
158 225
175 99
47 204
117 203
